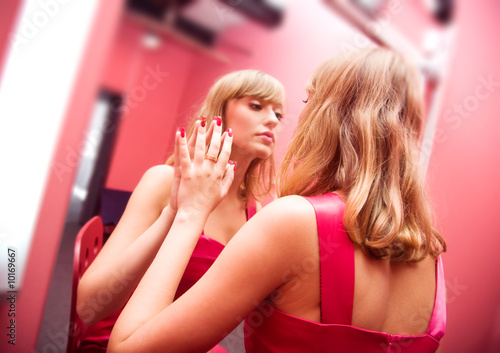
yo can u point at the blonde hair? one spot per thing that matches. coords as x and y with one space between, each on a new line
259 179
359 134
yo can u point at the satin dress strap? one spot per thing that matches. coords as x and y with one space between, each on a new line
336 260
437 324
251 208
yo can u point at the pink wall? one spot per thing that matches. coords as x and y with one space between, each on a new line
464 177
409 17
153 82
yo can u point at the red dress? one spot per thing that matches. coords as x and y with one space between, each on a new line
207 250
268 329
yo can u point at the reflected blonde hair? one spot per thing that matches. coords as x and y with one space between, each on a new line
259 178
359 134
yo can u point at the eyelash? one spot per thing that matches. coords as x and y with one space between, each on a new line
305 100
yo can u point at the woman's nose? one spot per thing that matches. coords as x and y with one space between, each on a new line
271 119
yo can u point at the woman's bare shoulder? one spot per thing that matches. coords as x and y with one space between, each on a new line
161 172
287 206
154 187
289 216
159 176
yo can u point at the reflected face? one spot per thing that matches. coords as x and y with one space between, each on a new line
255 124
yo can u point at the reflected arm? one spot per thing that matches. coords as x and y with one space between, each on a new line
111 278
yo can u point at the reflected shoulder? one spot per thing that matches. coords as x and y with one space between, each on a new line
159 177
154 186
159 173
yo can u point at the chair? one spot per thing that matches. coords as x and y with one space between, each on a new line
88 243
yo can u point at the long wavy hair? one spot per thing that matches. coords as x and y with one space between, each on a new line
359 134
259 178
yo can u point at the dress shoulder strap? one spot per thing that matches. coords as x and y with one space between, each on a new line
437 325
336 260
251 208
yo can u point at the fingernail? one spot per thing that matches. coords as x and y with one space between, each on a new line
183 133
218 120
229 132
234 166
203 121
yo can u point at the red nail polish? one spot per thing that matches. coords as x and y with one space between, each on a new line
218 120
234 166
183 133
203 121
229 132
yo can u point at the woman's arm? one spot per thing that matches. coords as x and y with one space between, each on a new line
111 278
256 262
261 257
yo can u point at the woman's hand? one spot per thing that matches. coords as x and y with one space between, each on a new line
202 181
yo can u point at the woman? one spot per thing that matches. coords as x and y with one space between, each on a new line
247 103
351 265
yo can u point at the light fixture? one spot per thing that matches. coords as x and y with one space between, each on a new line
151 40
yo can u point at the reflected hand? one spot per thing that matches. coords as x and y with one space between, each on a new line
192 139
202 181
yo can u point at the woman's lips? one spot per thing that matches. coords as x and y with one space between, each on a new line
267 136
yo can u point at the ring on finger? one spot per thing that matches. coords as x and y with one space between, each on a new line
211 158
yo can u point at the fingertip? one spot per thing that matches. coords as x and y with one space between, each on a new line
201 124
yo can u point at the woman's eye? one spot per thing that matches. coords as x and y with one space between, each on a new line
279 116
305 100
255 106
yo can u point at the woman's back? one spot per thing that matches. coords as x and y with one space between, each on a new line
339 289
396 298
